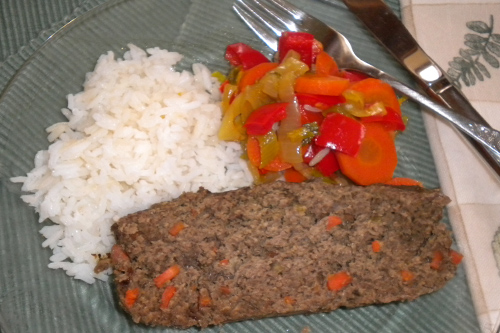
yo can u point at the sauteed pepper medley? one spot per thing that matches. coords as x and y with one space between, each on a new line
302 117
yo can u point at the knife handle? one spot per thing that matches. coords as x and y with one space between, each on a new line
437 86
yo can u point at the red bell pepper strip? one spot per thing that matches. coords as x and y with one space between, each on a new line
391 120
353 76
328 164
341 133
241 54
262 120
320 102
301 42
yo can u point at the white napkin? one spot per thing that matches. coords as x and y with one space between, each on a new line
440 27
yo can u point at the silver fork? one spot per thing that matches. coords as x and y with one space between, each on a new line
269 18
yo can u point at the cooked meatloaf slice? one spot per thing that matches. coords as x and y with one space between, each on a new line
279 249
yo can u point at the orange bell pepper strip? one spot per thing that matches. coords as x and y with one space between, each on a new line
167 275
254 74
325 64
321 85
376 160
339 281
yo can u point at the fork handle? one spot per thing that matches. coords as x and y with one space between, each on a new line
485 139
444 92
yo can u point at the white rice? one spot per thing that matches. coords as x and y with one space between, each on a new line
139 133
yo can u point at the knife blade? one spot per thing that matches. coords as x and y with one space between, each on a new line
393 35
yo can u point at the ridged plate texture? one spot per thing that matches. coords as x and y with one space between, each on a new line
34 298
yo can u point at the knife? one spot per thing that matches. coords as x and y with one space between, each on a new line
393 35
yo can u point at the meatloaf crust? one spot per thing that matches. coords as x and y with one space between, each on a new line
269 250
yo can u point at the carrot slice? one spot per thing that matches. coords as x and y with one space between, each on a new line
131 296
176 229
407 276
167 276
167 296
403 181
376 160
376 246
325 64
293 176
321 85
254 74
333 221
339 281
290 300
224 262
437 260
375 90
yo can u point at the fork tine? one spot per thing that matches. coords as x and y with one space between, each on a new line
267 21
290 9
258 24
267 17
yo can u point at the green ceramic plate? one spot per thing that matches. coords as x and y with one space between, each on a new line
34 298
